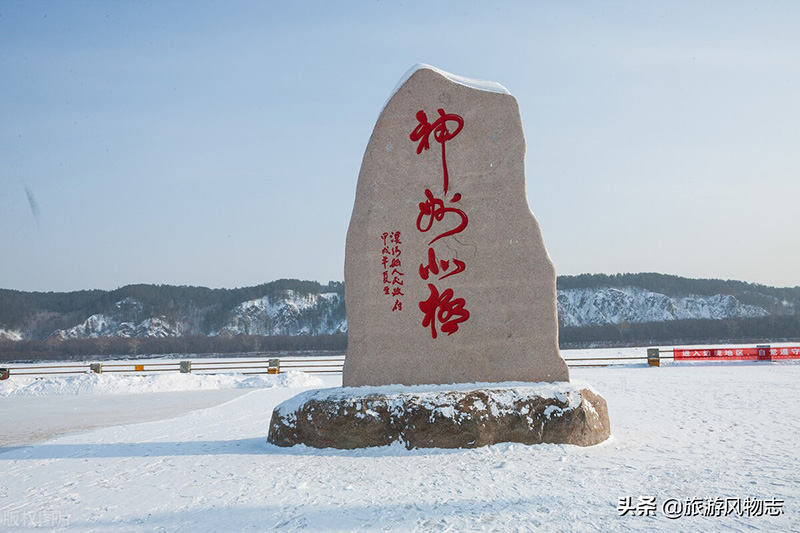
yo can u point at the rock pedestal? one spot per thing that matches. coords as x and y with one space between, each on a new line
447 281
442 417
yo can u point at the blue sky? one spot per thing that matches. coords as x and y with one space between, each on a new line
218 143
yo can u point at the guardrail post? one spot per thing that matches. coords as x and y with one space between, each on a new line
4 373
186 367
97 368
274 366
653 357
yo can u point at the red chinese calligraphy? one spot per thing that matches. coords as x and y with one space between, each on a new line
390 261
440 132
449 311
392 236
433 209
443 308
434 266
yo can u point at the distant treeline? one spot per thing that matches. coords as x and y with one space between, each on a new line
115 347
774 328
773 299
39 314
748 330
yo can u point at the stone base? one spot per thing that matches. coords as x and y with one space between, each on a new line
449 416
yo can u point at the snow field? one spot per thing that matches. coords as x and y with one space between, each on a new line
679 431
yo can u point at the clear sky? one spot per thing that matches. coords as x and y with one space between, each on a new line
219 143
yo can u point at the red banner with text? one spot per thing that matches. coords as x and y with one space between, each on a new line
761 353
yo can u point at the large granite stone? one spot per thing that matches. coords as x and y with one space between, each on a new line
442 417
447 279
450 293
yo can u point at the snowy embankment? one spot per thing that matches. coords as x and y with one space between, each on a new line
137 384
704 433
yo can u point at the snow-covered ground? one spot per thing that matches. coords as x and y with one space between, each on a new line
35 409
721 433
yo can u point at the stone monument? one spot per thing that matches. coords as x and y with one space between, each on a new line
447 283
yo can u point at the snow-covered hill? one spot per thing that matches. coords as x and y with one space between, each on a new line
291 314
587 307
108 326
292 307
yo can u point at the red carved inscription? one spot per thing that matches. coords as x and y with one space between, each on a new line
440 215
391 263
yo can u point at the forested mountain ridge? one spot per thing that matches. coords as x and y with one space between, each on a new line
616 308
165 310
778 300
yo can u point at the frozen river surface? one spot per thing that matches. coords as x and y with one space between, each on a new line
720 441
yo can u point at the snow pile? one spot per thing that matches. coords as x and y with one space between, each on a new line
481 85
134 384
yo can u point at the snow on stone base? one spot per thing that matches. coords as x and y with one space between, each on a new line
449 416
